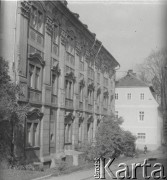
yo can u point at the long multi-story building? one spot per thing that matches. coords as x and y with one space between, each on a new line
66 74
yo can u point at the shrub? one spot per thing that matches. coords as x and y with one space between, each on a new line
61 165
12 116
129 144
111 141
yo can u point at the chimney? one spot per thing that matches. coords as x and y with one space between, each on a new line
64 2
76 15
130 72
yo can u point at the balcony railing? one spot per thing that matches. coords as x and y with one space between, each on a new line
68 103
80 105
54 99
35 95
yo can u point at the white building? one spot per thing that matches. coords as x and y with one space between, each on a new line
135 102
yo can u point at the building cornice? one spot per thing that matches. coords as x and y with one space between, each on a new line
85 41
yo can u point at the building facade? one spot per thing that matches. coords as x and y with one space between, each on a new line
135 102
66 74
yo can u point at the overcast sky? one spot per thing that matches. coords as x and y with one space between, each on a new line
130 31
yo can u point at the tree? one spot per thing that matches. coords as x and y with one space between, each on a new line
150 70
164 100
12 113
111 141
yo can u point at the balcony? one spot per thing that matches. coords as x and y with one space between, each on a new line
35 95
54 99
68 103
80 105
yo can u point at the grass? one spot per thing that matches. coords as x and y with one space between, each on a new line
11 174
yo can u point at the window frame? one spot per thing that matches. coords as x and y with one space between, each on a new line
116 96
98 77
141 116
69 94
31 141
54 84
141 137
129 96
34 85
141 96
81 93
35 7
68 133
90 96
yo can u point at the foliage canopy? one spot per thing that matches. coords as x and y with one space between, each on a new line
12 114
111 140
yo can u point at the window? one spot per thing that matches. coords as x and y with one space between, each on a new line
105 82
34 77
68 69
80 132
98 77
129 96
37 78
54 84
142 96
89 132
56 35
116 114
69 89
90 96
141 115
98 95
68 133
80 93
70 59
32 50
116 95
52 127
141 137
55 45
105 101
81 76
90 73
32 134
31 78
37 19
54 62
81 66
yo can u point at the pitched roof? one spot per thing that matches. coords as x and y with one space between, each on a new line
130 80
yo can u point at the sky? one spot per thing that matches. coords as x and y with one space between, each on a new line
130 30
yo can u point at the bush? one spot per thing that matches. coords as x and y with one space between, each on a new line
89 152
129 144
111 141
61 165
12 115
